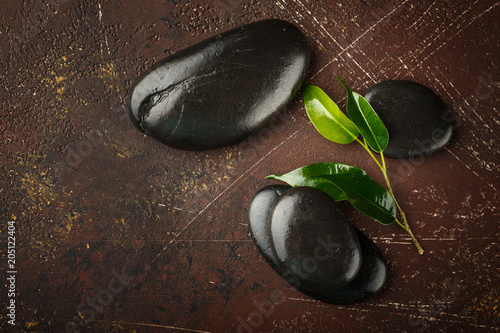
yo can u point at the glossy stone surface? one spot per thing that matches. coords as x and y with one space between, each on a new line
312 241
369 280
219 91
258 211
414 115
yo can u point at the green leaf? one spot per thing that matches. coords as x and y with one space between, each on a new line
308 176
366 119
326 116
366 195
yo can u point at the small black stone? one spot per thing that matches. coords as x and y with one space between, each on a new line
369 280
312 241
219 91
414 115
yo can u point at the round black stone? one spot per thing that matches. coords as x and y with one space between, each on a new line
414 115
217 92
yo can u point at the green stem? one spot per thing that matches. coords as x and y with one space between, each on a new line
365 145
402 226
405 225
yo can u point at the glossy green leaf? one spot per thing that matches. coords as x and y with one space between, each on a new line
366 195
326 116
308 176
366 119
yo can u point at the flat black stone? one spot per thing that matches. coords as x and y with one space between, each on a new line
219 91
414 115
369 280
258 211
312 241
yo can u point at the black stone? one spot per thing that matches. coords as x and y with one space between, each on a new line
258 211
312 241
369 280
414 115
219 91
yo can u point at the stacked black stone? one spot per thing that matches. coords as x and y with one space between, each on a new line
305 237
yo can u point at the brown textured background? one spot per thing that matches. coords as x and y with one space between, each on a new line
91 195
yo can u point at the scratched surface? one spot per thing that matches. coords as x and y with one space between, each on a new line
117 232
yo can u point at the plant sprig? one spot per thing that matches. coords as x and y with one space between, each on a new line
342 181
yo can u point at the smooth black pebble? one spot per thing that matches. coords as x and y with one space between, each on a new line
415 117
312 241
219 91
368 281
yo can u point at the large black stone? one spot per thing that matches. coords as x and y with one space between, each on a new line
219 91
369 280
414 115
